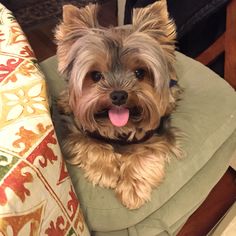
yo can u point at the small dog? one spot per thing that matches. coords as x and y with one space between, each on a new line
121 91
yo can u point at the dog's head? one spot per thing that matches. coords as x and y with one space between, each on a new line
118 78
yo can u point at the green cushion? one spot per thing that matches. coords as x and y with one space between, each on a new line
207 115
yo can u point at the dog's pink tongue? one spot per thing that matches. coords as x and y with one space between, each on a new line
119 116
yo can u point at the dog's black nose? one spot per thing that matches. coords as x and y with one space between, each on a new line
119 97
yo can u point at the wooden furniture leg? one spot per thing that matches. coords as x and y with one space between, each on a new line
230 44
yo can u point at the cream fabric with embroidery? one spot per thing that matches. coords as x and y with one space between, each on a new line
36 194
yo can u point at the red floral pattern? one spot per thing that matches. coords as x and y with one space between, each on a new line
9 67
16 181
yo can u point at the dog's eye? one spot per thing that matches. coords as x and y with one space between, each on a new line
96 76
139 73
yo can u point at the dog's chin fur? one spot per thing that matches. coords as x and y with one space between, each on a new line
84 47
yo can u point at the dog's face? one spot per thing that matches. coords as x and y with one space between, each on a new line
118 78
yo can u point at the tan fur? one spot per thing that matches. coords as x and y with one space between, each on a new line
132 170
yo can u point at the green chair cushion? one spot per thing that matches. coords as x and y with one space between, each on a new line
207 115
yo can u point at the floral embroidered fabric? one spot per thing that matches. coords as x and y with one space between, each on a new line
36 194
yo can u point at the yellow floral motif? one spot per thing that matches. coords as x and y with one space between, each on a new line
23 102
27 68
25 223
17 35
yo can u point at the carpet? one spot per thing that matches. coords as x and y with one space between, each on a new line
31 13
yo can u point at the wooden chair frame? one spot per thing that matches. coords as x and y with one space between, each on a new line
225 43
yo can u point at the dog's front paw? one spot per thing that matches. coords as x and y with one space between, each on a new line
102 165
133 195
103 176
98 160
140 173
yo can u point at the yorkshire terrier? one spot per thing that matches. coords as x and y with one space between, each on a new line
122 88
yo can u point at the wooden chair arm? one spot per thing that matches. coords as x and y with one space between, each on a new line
230 44
225 43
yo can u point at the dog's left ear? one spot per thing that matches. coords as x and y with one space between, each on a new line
77 20
154 20
85 17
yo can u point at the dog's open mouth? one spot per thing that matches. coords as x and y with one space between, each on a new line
119 116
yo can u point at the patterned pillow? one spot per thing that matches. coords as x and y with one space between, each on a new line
36 194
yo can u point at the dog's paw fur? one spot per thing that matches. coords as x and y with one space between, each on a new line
141 172
98 160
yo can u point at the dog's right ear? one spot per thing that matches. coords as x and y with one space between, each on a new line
154 21
76 23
